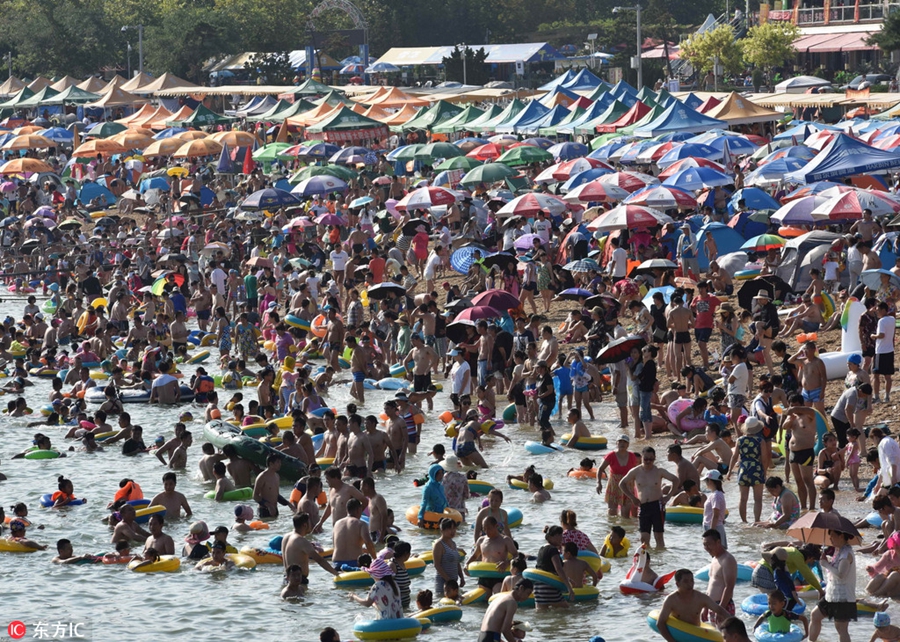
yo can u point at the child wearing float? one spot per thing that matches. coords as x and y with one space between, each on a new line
243 514
779 617
616 543
575 568
451 592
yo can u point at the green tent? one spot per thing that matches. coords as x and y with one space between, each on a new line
202 117
438 113
338 171
310 87
615 111
334 99
39 98
283 109
598 92
650 116
490 114
459 122
271 152
646 94
24 94
511 110
73 95
281 105
347 126
573 116
662 97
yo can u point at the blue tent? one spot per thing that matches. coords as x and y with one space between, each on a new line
90 191
597 107
845 156
756 199
742 224
584 79
727 241
556 82
623 88
692 101
678 118
525 120
551 118
549 100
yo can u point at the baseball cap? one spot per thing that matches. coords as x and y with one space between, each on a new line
624 437
453 353
715 475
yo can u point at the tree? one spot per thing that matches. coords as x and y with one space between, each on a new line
476 71
701 49
770 45
888 39
272 68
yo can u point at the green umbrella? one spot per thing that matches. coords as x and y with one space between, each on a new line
460 162
338 171
524 155
489 173
439 150
105 130
272 152
408 153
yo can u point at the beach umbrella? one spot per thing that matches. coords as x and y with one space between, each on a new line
382 68
754 198
270 153
814 188
299 222
526 242
872 278
662 197
58 135
688 150
382 290
573 294
596 192
133 140
568 150
233 138
543 143
193 134
618 349
500 260
524 155
352 69
404 153
330 219
157 182
794 151
763 243
696 178
468 144
105 129
322 150
99 146
625 217
168 133
878 202
345 154
580 178
463 258
458 330
411 227
197 148
426 197
488 173
565 170
260 262
648 266
814 527
163 147
688 163
737 145
269 199
666 292
334 171
211 249
459 162
69 224
850 205
798 211
773 285
360 202
478 312
629 181
318 186
773 173
439 150
38 222
531 203
485 152
582 265
498 299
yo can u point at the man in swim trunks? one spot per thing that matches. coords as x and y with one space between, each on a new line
800 421
812 374
265 490
493 547
722 574
497 623
358 362
648 479
685 605
339 494
379 442
425 360
351 535
679 320
296 549
378 511
359 457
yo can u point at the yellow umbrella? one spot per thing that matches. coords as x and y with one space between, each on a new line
100 146
235 138
23 165
27 129
191 134
201 147
132 139
28 141
163 147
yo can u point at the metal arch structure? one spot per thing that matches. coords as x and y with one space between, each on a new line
351 10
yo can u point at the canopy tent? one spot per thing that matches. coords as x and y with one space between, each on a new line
559 96
346 126
407 113
576 111
622 89
692 100
138 81
39 83
166 81
117 98
309 87
597 108
496 54
273 114
637 111
92 84
38 99
261 106
160 113
141 114
183 113
613 114
508 112
333 98
116 81
395 97
531 114
11 86
74 95
202 117
377 113
737 110
438 113
367 99
23 94
583 80
678 118
307 118
649 117
459 122
844 156
489 114
550 119
64 83
559 81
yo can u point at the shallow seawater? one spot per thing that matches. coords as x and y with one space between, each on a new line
118 604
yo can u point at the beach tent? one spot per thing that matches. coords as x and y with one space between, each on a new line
459 122
614 112
74 95
346 126
560 80
597 108
202 117
679 118
489 114
11 86
649 117
137 82
39 83
140 115
583 80
637 111
438 113
551 118
802 253
92 84
737 110
160 113
395 97
310 87
23 94
333 98
395 121
747 228
279 106
692 100
533 112
117 97
64 83
727 241
559 96
844 156
166 81
38 99
508 112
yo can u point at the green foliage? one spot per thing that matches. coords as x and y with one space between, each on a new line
476 70
270 68
888 39
770 45
700 50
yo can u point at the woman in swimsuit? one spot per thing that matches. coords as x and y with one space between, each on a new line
830 463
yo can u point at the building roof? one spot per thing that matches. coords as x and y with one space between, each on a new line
496 54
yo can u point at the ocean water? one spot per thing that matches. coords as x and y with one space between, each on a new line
111 602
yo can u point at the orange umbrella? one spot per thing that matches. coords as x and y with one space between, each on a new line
27 129
191 134
100 146
28 141
234 138
24 165
163 147
132 139
201 147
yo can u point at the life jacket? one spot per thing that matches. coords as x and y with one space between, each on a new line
130 491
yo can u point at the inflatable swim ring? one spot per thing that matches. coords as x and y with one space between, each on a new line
744 275
684 632
583 474
42 454
632 584
745 573
441 614
166 564
47 501
684 514
537 448
514 517
263 555
680 405
390 383
432 520
763 634
518 483
7 546
200 357
319 326
143 514
241 561
297 322
479 487
396 629
236 495
758 603
585 443
509 414
527 603
593 560
550 579
485 569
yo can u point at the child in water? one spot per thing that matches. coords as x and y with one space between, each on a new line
780 617
516 567
585 465
539 494
575 568
425 599
615 544
295 587
884 630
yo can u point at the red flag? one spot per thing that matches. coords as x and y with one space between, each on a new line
249 164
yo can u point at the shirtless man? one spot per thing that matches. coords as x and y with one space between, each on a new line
648 479
807 317
548 350
358 364
127 529
334 339
425 360
304 440
800 422
157 540
377 511
178 461
716 454
241 470
289 446
201 301
722 573
223 484
265 490
296 549
683 466
309 503
397 434
329 447
378 441
339 494
812 375
494 547
679 320
867 227
686 604
360 458
497 623
139 332
495 500
351 536
171 499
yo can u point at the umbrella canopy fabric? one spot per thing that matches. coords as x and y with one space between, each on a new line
625 217
596 192
488 173
666 292
318 185
872 278
383 290
573 294
269 199
497 299
662 196
426 197
619 349
478 312
696 178
582 266
463 258
524 155
798 211
458 330
531 203
763 243
813 527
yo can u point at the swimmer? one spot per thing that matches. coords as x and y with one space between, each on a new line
170 499
296 583
65 554
216 561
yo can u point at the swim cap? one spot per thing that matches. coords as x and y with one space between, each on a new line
54 287
881 619
243 512
17 525
186 416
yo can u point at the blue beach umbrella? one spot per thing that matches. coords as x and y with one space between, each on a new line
756 199
463 258
322 150
688 150
583 177
695 178
269 199
665 290
568 150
